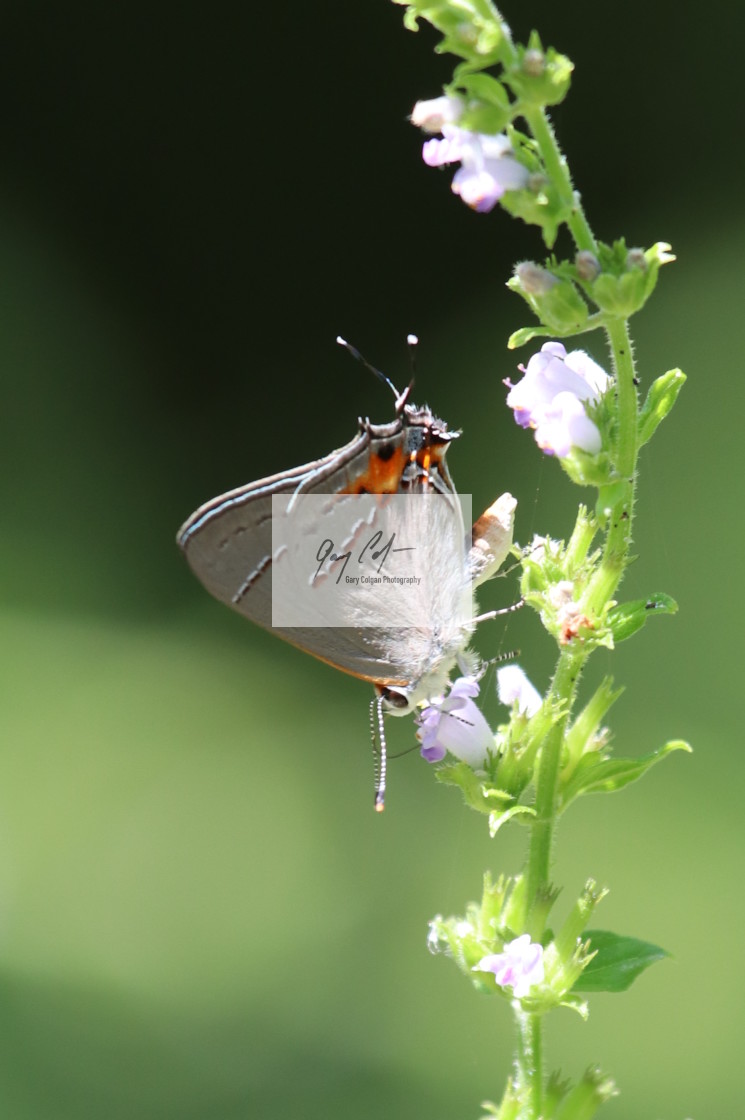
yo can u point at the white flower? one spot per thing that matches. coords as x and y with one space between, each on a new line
438 111
551 398
513 687
519 966
455 724
487 165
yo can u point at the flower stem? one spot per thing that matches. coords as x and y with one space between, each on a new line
529 1062
558 172
600 590
619 511
563 689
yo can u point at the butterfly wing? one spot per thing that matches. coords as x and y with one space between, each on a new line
228 541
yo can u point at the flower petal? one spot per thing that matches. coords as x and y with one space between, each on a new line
478 188
436 153
519 966
513 687
456 725
550 396
431 115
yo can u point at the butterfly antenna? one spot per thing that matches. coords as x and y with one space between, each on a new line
412 342
503 610
377 734
361 358
500 659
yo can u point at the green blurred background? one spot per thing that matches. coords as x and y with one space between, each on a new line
200 915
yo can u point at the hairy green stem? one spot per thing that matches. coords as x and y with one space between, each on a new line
619 512
562 692
558 172
616 512
603 585
539 124
529 1062
601 588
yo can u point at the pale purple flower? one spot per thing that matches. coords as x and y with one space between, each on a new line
455 724
431 115
551 399
487 165
514 687
519 966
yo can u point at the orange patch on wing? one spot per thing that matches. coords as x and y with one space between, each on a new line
383 476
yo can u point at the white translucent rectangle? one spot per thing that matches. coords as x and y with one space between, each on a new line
370 561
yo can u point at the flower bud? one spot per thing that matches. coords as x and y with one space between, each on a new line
587 265
537 182
534 280
557 303
539 77
628 277
635 259
534 62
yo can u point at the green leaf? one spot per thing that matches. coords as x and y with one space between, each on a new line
617 961
661 397
527 334
471 786
626 618
487 107
598 774
481 86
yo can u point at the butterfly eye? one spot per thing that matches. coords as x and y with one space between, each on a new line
392 698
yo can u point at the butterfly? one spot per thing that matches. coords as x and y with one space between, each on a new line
403 638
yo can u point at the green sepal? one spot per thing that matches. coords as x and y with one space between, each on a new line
472 787
561 308
613 499
509 1108
584 1100
627 278
481 794
567 941
586 469
597 773
498 817
495 900
576 1003
585 735
661 397
554 1093
561 1099
470 29
488 108
539 77
537 205
627 618
616 961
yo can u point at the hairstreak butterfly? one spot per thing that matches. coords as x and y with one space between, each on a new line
230 545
